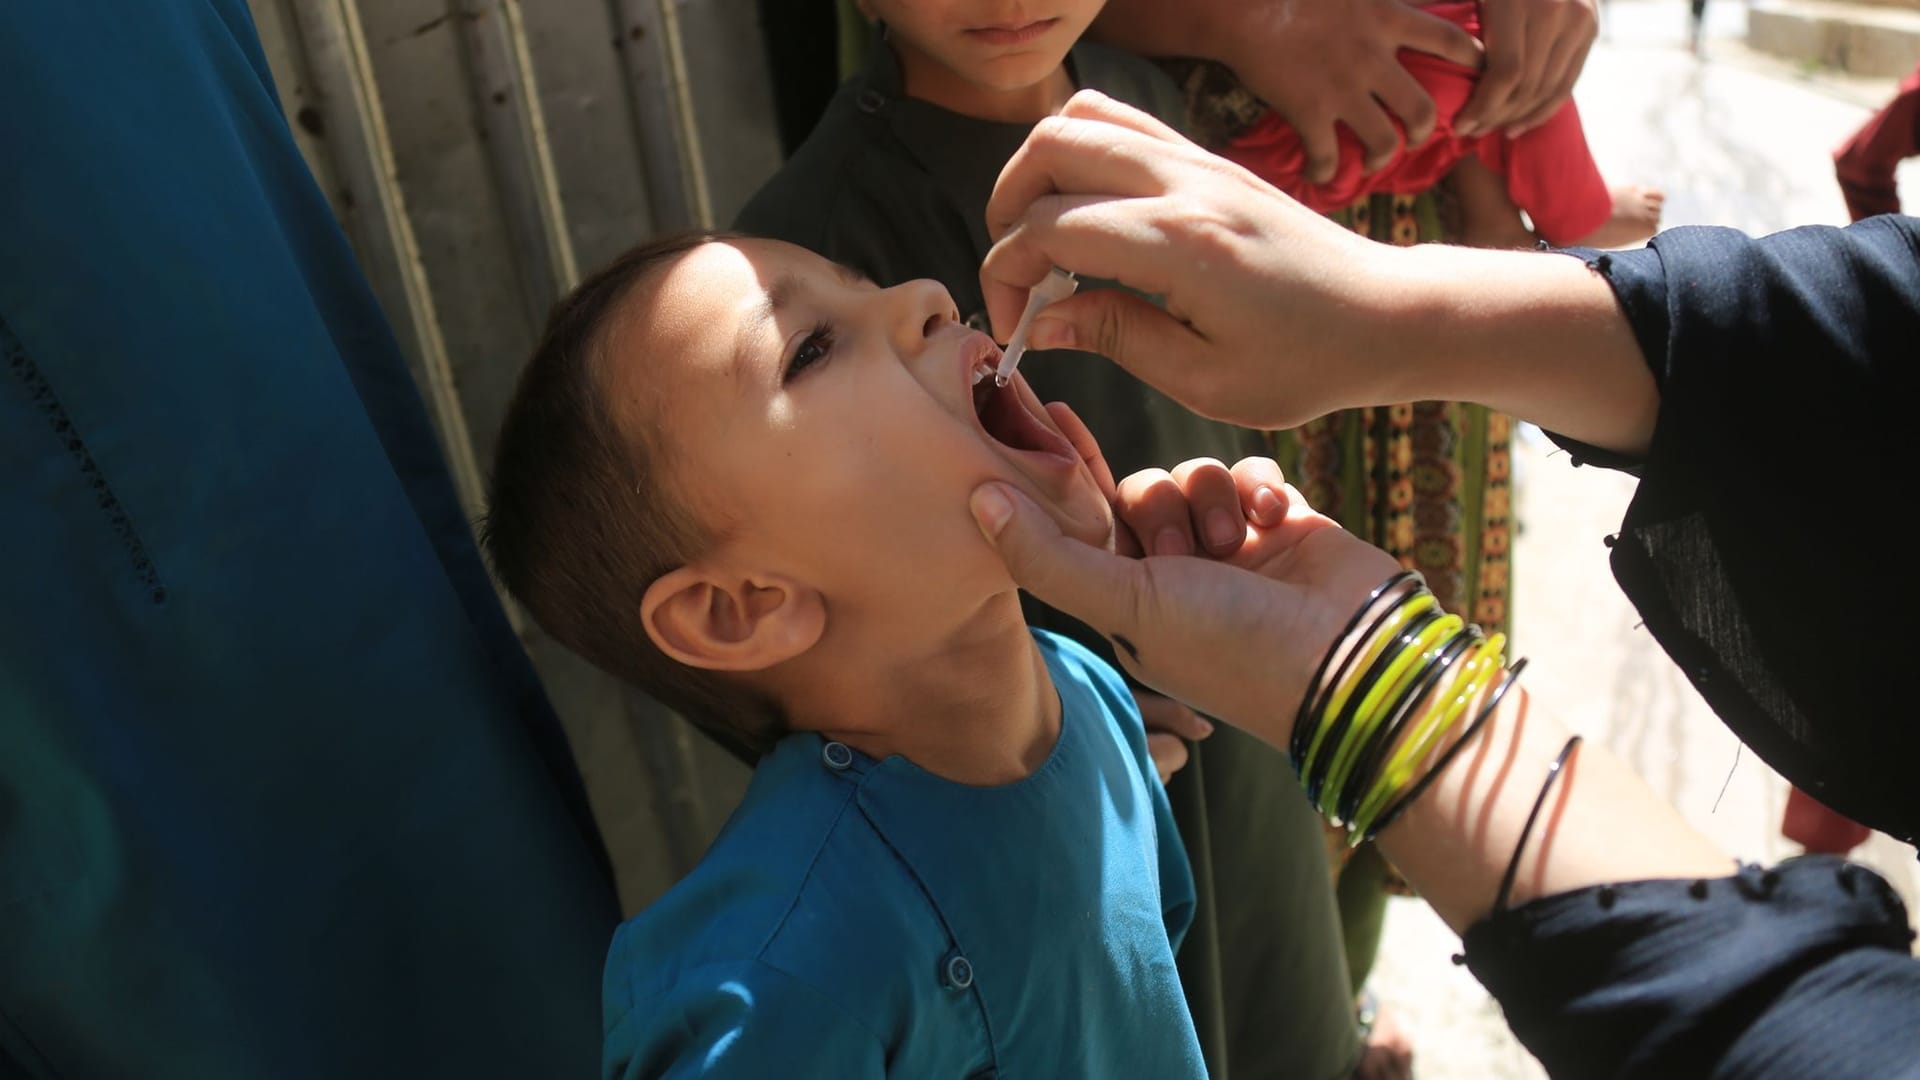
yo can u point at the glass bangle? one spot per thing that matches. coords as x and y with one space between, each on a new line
1434 677
1392 613
1343 638
1334 724
1371 829
1483 667
1392 683
1367 657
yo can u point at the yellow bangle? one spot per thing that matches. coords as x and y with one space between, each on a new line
1369 715
1381 638
1426 733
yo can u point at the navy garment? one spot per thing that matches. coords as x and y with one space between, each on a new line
279 794
861 918
1784 365
1764 546
1794 973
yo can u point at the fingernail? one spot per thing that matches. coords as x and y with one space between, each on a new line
1206 728
1266 506
991 509
1222 529
1051 334
1172 541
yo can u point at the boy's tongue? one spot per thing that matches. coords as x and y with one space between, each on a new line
1007 418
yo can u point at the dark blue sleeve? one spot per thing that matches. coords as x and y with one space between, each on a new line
1763 545
1799 971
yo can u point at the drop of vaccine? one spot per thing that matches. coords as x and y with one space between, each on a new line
1001 381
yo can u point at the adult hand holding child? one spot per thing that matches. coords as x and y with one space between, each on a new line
1185 626
1170 724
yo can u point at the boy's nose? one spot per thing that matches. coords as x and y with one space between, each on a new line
921 309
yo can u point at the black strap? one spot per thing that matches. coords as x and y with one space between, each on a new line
1526 831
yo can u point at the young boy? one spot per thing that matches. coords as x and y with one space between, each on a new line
736 475
1548 171
894 181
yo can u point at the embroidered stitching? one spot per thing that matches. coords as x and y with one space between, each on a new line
40 392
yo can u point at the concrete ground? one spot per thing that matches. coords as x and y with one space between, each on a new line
1737 139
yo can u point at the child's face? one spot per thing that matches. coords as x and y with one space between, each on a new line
826 430
1002 44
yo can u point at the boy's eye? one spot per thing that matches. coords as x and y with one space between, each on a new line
814 348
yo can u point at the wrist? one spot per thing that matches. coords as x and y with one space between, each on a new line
1421 309
1401 688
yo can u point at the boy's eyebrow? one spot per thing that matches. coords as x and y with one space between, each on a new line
852 275
779 293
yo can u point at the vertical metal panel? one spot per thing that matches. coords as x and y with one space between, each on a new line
575 47
730 94
506 100
668 133
345 109
460 215
470 148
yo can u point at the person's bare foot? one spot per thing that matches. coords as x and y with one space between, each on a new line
1388 1053
1635 217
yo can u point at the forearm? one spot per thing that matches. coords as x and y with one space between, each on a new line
1454 843
1537 336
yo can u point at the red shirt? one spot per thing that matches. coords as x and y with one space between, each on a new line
1549 171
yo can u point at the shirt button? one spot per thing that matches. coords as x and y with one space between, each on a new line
870 100
836 755
956 972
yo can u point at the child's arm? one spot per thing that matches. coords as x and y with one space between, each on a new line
747 1021
1488 217
1319 63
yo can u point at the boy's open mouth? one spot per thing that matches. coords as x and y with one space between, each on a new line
1007 415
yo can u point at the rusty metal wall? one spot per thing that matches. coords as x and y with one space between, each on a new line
480 154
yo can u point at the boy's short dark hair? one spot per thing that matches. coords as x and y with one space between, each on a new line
582 519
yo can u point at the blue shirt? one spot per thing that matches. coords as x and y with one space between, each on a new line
867 918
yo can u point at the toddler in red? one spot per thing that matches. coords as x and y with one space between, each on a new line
1547 172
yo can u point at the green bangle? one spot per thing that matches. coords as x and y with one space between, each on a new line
1388 688
1433 725
1381 637
1432 678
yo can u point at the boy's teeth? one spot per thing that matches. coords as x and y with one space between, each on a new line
981 371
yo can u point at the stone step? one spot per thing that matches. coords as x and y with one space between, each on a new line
1878 39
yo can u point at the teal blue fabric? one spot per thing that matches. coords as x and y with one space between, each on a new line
279 794
819 935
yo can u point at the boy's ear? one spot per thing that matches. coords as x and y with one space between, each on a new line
705 619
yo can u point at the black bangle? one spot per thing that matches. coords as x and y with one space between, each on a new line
1350 708
1373 756
1314 700
1392 813
1526 831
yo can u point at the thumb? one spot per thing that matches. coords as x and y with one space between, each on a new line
1091 584
1131 331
